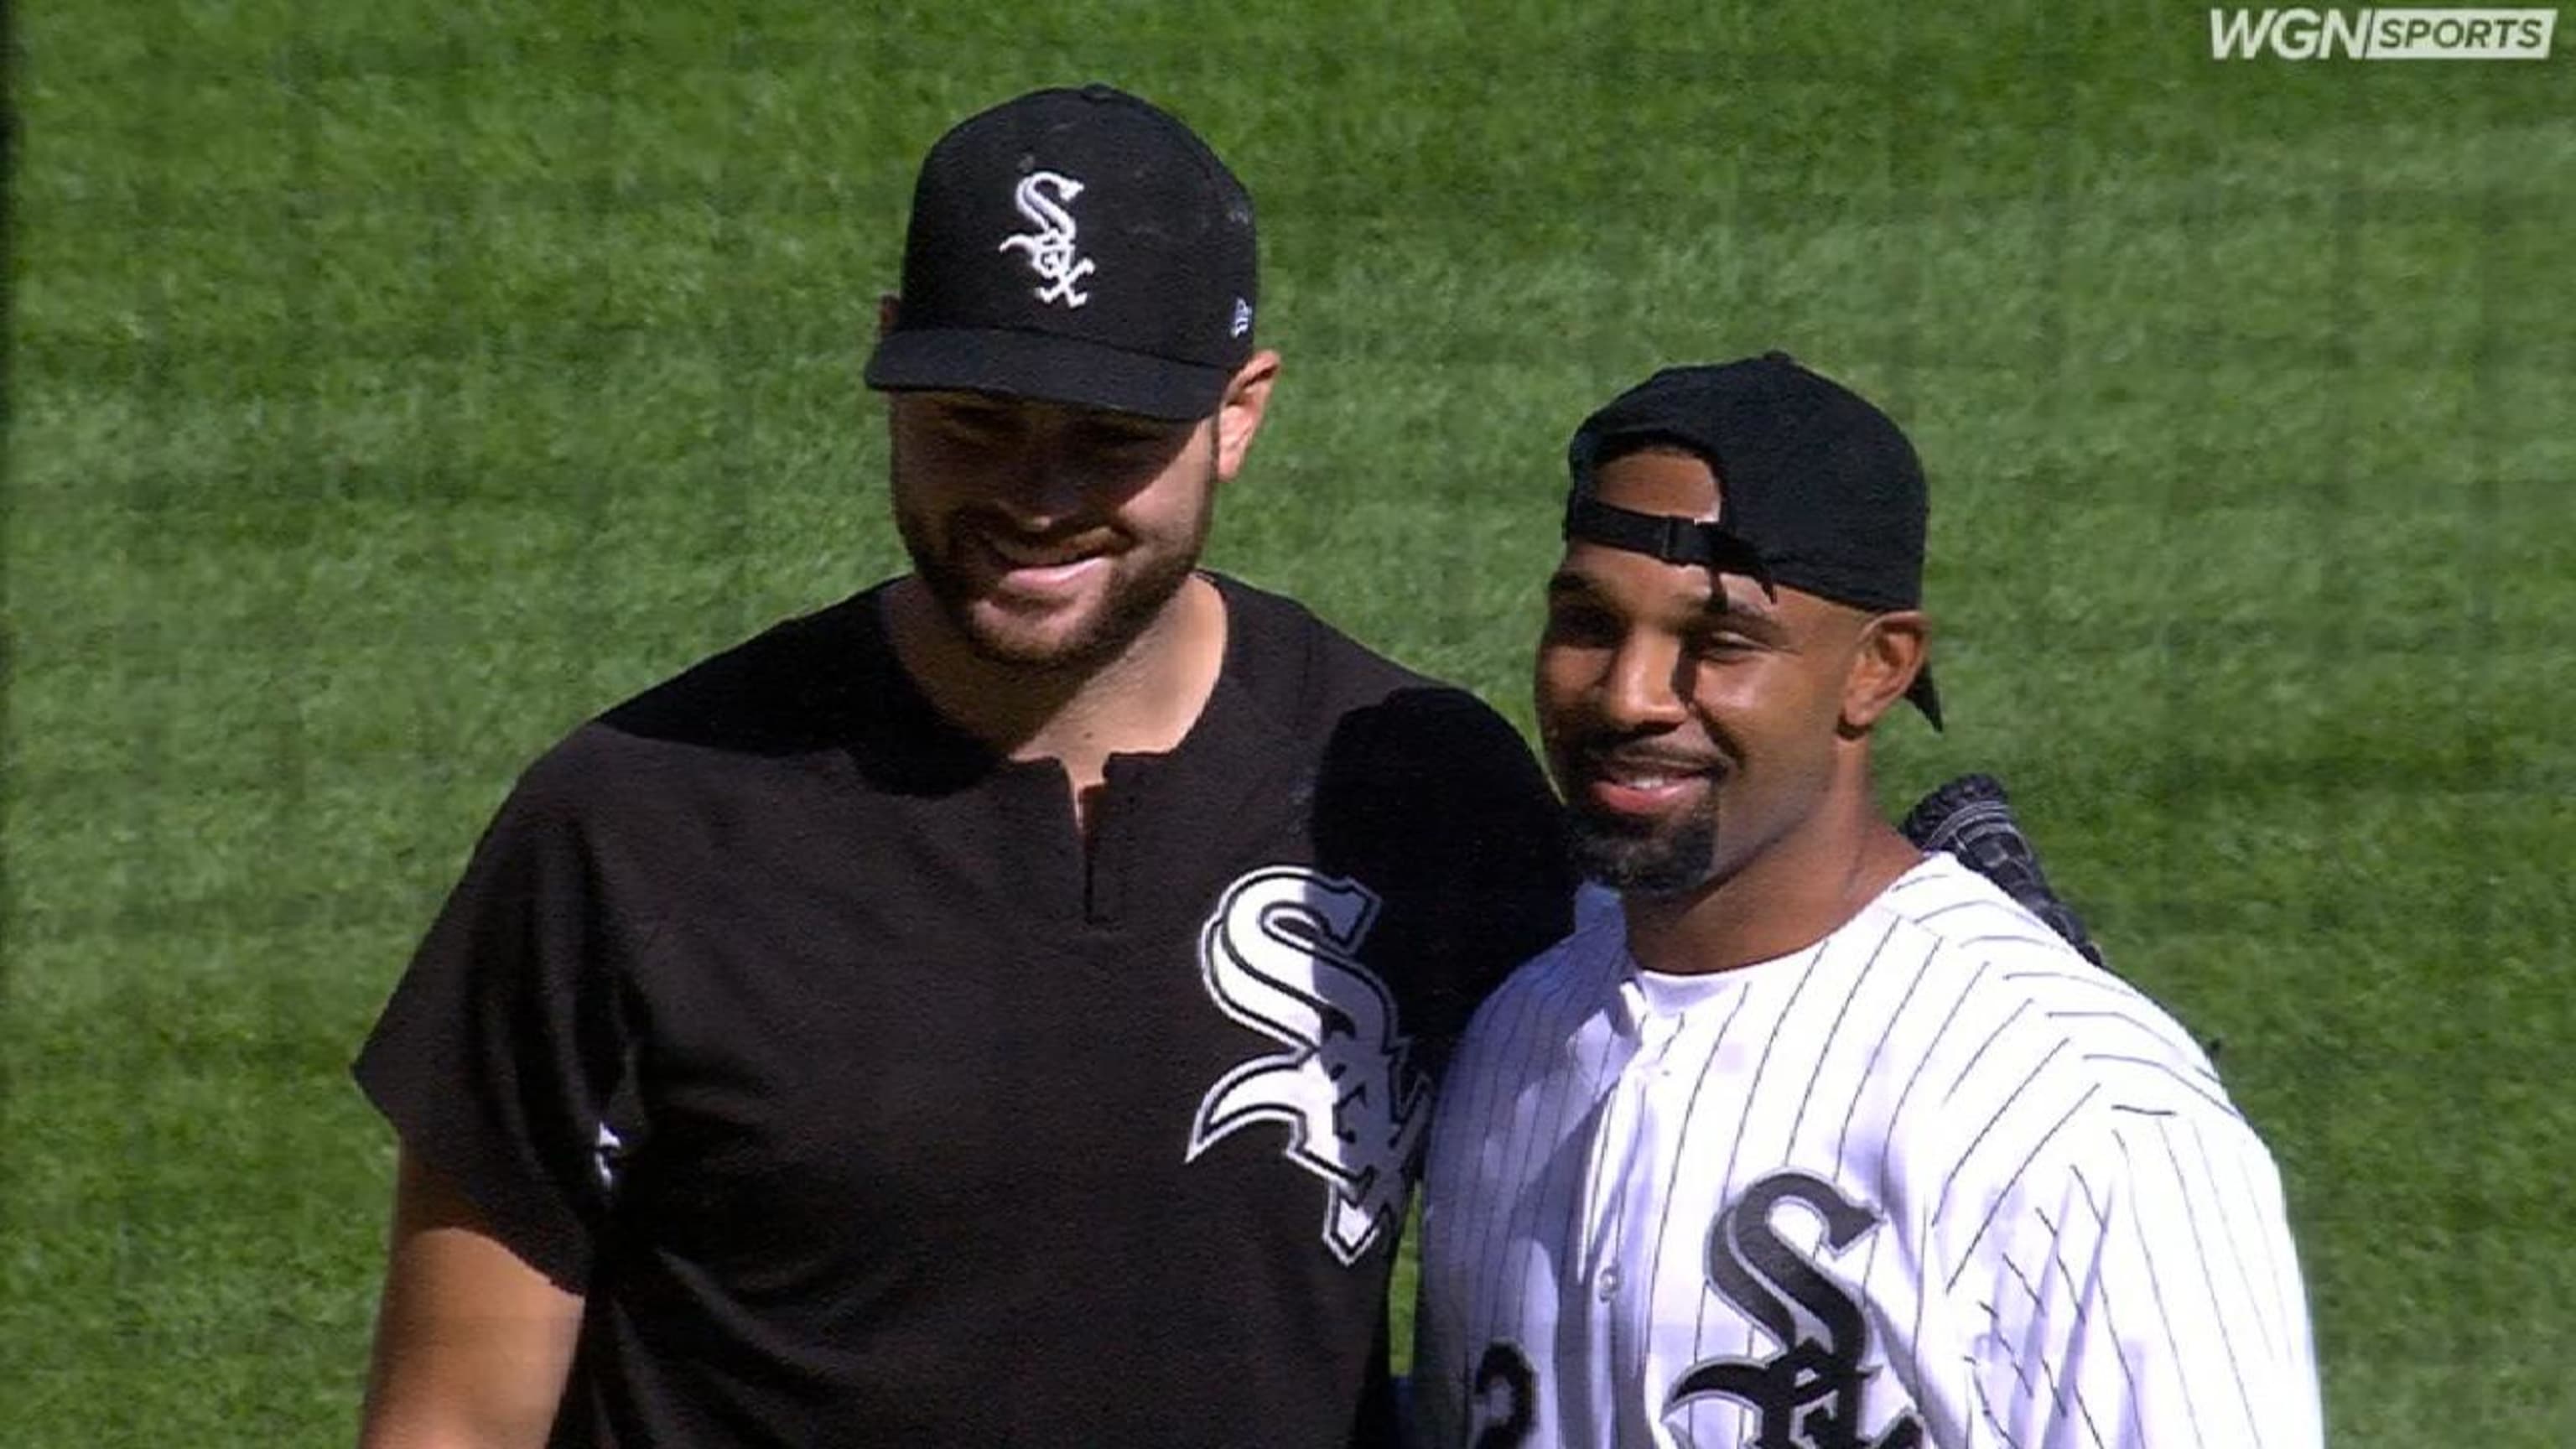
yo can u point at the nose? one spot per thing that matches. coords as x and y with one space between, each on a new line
1047 487
1641 684
1055 487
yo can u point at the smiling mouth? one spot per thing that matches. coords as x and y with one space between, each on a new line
1041 565
1029 553
1645 785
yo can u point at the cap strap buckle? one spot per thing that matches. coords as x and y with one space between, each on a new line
1667 537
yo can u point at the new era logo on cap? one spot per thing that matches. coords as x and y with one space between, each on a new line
1075 246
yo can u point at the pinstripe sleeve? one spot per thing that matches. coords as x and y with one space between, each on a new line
2148 1296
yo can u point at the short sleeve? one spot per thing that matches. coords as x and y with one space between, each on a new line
1436 796
504 1058
2150 1295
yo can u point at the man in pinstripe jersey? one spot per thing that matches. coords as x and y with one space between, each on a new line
1805 1138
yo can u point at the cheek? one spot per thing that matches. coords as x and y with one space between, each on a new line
1808 719
1171 508
918 472
1559 680
1775 706
1746 695
1175 507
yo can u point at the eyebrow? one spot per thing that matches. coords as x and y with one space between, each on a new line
1128 425
1755 617
1761 627
980 408
970 405
1754 610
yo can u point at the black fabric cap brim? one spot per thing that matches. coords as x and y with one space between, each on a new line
1047 369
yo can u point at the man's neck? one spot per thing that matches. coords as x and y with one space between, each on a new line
1795 895
1141 701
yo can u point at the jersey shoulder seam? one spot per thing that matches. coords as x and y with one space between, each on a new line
2120 1043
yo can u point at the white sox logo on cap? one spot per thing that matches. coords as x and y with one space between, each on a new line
1050 248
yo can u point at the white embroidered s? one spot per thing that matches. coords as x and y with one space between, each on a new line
1042 197
1281 955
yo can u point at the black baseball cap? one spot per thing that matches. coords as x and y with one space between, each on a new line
1076 246
1818 490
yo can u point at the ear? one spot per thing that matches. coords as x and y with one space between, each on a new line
889 310
1238 417
1889 653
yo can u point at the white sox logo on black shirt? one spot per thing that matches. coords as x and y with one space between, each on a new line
1808 1395
1281 955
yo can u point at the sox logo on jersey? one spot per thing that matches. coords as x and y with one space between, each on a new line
1943 1181
1808 1395
1281 955
1042 197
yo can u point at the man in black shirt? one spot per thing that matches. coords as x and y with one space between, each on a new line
999 1008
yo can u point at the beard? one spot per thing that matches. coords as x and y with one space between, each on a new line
1666 859
1142 583
1143 578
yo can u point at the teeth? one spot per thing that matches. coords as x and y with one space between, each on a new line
1035 556
1649 774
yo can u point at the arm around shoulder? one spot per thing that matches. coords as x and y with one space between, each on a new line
473 1345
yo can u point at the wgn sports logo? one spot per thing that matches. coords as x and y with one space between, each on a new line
1281 955
2303 34
1808 1395
1042 197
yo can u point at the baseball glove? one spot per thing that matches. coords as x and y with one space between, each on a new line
1970 818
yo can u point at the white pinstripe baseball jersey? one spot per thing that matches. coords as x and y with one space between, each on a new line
1935 1180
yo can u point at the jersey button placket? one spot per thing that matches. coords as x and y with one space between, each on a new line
1639 1164
1630 1322
1614 1152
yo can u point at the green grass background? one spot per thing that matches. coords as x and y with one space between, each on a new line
392 385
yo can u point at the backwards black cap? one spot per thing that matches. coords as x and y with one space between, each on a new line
1819 491
1075 246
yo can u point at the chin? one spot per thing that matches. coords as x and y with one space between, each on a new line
1001 637
1671 860
1083 631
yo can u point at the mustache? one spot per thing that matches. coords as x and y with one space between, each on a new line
1631 755
997 524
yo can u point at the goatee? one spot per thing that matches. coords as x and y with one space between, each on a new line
1660 861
